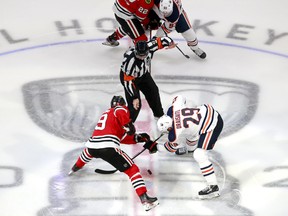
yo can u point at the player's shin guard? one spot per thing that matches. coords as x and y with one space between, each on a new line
207 169
136 179
192 42
140 188
84 158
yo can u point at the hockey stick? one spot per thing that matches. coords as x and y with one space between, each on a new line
113 171
187 56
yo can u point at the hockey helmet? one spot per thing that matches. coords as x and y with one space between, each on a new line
117 101
141 49
164 123
166 7
181 100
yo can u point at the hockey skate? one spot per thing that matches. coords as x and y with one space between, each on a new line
209 192
181 151
199 53
74 169
111 41
148 202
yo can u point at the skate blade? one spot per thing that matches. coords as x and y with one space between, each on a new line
70 173
149 206
109 44
209 196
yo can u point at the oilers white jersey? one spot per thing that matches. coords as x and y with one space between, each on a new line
170 21
189 123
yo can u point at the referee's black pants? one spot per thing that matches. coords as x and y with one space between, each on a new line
150 90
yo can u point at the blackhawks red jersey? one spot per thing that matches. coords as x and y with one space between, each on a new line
109 131
131 9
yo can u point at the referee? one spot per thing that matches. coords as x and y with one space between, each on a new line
135 76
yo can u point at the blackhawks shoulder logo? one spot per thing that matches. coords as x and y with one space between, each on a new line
148 1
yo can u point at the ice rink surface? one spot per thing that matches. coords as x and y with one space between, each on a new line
57 78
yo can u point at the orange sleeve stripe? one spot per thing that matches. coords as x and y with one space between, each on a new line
168 147
165 29
209 118
159 43
209 170
128 78
207 140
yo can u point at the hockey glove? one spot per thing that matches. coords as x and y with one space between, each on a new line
153 24
167 42
130 128
151 146
141 137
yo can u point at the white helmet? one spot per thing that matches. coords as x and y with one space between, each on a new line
164 123
179 99
166 7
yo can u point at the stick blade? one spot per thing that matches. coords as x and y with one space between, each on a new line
105 171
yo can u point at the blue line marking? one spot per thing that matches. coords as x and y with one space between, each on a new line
246 47
96 40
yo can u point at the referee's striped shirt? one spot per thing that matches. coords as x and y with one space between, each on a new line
135 67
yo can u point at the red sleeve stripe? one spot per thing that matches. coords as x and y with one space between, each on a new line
165 29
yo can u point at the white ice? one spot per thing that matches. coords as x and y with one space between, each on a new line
55 84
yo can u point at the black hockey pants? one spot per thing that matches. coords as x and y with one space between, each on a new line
148 87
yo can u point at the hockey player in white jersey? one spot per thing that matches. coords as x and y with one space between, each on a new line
193 130
175 18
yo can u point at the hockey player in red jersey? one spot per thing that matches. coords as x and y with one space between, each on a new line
114 128
194 130
131 15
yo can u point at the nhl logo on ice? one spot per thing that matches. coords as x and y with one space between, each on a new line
69 107
236 100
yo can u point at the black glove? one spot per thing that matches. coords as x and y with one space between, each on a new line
151 146
153 24
141 137
130 128
166 41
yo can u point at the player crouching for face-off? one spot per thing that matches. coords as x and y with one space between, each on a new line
114 128
193 129
173 17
